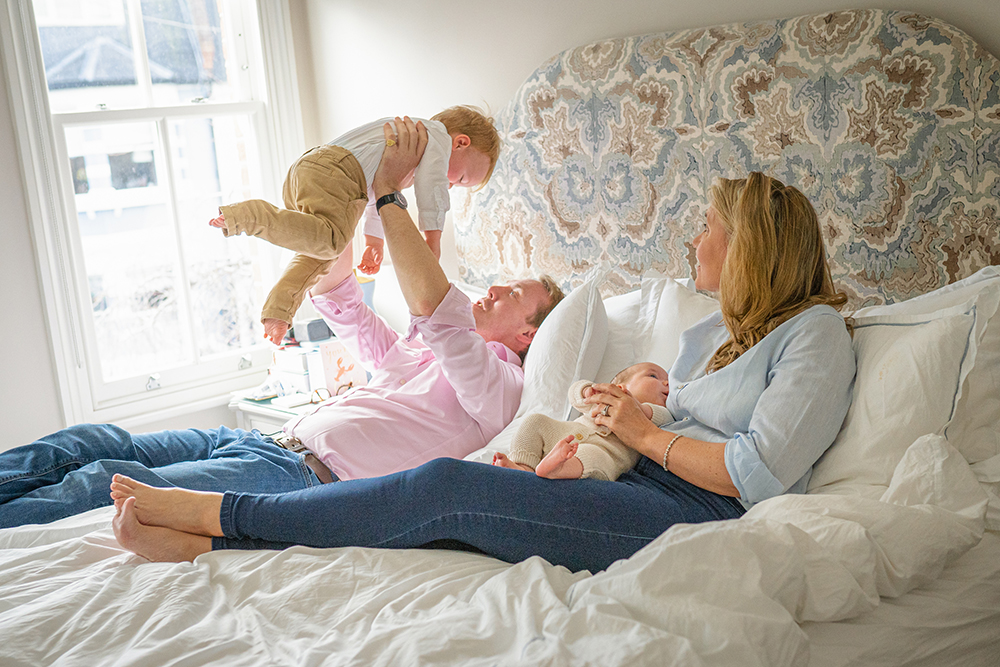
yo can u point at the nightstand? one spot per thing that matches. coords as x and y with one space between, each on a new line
261 415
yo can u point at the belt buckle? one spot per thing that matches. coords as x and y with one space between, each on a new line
289 442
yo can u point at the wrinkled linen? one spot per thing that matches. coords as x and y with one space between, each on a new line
721 593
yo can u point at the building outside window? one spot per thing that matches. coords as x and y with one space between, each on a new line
158 112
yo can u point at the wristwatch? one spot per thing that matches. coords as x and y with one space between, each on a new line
391 198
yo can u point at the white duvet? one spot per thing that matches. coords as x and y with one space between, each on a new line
722 593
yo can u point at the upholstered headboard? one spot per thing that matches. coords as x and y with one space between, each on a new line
888 121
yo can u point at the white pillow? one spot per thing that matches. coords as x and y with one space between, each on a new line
626 325
568 347
911 369
678 310
646 324
975 430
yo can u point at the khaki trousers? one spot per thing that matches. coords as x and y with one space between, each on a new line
325 195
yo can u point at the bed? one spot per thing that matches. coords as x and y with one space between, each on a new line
890 123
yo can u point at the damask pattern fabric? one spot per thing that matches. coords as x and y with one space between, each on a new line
888 121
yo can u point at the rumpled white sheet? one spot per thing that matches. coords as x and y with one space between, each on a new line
722 593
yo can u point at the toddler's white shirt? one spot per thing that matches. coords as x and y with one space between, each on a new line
430 181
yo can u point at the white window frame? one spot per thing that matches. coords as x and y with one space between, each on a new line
278 122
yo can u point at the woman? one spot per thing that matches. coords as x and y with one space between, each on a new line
759 391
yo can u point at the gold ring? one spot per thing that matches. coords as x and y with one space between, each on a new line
390 142
605 410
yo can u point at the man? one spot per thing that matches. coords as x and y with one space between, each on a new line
445 389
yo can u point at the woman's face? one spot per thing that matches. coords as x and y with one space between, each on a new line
710 250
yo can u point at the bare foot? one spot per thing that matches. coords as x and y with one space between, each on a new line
160 545
504 462
561 462
194 512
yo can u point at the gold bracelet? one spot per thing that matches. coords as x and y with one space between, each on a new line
666 452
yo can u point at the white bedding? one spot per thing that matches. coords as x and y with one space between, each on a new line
761 590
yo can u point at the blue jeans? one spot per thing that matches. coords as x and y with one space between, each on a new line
70 471
509 514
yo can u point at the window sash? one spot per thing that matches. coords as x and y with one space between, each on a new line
49 191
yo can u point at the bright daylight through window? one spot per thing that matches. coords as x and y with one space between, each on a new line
157 120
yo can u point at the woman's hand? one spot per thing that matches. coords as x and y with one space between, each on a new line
615 409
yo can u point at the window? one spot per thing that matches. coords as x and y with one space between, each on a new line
149 114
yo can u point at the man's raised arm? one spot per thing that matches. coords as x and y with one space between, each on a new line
421 279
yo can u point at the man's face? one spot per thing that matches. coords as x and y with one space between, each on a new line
502 315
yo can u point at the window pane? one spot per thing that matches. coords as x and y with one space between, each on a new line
213 163
87 51
90 62
184 40
129 249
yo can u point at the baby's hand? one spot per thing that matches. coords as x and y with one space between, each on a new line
646 410
588 391
274 330
434 241
371 259
219 222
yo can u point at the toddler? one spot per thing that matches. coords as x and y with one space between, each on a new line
329 187
580 448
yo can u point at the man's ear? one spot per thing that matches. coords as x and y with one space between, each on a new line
525 337
460 141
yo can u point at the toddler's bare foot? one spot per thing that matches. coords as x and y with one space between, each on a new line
275 329
195 512
160 545
561 462
504 462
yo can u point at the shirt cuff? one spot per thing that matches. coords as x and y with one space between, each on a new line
750 476
455 310
430 222
345 296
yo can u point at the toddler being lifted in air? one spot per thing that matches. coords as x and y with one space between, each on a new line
329 188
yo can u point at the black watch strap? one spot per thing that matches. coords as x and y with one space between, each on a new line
391 198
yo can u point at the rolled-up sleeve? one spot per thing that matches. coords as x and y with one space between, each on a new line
799 413
430 181
487 377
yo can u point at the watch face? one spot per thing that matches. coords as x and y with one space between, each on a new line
401 199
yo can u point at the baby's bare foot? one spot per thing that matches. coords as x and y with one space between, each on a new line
195 512
561 462
160 545
504 462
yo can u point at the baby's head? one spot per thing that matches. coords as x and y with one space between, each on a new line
475 145
646 382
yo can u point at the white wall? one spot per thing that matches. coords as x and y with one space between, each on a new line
360 60
372 59
29 398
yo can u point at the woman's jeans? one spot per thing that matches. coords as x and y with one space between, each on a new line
70 471
582 524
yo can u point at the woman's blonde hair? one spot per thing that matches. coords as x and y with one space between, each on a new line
475 124
775 265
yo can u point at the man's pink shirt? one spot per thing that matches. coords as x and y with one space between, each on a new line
441 390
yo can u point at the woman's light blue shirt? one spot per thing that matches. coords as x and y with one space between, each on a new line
778 407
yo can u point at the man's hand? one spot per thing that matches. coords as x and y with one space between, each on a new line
274 330
405 144
371 259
